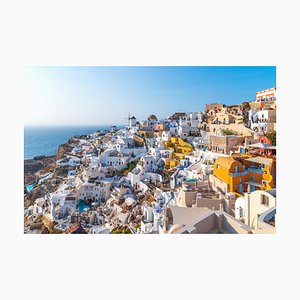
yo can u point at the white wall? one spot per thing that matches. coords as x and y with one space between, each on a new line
254 207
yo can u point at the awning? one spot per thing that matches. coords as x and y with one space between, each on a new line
262 146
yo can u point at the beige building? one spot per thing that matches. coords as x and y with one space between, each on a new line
240 129
226 118
195 193
196 220
224 144
258 210
213 108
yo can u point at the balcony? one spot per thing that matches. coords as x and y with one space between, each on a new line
248 170
262 120
256 170
238 174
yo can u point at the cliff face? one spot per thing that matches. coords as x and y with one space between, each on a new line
32 166
62 149
42 165
35 165
38 192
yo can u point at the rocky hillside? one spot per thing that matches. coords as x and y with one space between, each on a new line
33 168
62 149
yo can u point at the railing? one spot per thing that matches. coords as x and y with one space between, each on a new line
238 174
246 172
263 120
255 170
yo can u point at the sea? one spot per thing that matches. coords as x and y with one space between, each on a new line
45 140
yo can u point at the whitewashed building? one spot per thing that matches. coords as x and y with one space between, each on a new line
100 190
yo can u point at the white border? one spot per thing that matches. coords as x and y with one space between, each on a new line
149 33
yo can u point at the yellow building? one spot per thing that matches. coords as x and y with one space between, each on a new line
243 173
180 148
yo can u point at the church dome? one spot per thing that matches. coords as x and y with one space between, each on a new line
152 117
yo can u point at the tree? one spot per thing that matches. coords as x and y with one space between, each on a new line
272 137
245 105
132 166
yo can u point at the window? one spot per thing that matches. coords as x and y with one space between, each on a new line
264 200
218 167
241 212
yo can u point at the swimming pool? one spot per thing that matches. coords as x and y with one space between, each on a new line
82 206
192 180
30 187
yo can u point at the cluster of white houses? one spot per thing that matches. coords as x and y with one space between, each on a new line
188 173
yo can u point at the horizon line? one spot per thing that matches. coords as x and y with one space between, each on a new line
70 125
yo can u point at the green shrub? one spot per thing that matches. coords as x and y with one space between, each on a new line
228 132
132 166
272 137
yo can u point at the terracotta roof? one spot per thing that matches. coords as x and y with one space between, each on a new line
177 115
75 229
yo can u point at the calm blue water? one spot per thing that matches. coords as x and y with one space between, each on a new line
82 206
45 140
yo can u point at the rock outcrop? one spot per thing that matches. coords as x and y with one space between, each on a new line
63 149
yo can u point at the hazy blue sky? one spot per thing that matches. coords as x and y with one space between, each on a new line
105 95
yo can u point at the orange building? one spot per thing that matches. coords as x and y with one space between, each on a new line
158 129
242 173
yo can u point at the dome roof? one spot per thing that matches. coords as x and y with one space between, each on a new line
152 117
225 161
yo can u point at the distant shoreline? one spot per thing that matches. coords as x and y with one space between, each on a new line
73 126
45 140
40 157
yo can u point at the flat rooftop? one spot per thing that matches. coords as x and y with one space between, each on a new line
186 215
260 160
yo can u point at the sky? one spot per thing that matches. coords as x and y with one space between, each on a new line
83 96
